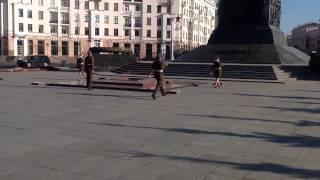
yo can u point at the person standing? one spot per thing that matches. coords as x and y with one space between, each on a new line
80 66
89 66
157 71
217 68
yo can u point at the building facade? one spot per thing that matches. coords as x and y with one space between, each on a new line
305 37
69 27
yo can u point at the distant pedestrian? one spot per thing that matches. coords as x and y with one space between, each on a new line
157 71
81 68
217 71
89 66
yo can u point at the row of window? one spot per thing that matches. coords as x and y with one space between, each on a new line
65 30
41 47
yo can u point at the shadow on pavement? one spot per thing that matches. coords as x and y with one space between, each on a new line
112 95
302 123
281 97
257 167
293 140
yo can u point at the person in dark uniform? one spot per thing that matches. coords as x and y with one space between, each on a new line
157 71
217 70
89 66
80 66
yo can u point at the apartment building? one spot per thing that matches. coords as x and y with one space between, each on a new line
69 27
305 37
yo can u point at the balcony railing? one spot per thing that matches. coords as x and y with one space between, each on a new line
55 21
127 25
64 22
138 25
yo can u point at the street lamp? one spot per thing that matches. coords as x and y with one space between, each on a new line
172 30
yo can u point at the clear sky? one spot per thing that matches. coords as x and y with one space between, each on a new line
296 12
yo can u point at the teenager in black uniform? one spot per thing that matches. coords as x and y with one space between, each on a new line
157 72
89 64
80 66
217 68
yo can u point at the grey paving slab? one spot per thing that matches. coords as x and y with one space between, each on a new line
244 130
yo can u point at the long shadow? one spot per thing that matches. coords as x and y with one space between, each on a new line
302 102
302 90
278 97
257 167
301 123
294 140
112 95
314 111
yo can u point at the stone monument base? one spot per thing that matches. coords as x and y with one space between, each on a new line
247 54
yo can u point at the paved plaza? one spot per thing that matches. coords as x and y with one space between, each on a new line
245 130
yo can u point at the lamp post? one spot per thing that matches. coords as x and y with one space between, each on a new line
172 30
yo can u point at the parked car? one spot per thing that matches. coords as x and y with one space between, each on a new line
34 61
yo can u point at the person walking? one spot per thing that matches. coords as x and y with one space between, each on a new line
80 66
217 70
89 66
157 71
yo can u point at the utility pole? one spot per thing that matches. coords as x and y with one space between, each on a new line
172 30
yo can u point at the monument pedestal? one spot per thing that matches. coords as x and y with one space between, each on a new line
247 54
248 33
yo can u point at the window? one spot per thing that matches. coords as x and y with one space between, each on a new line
76 45
149 9
97 18
116 20
54 29
115 45
148 33
159 22
29 27
86 31
76 4
20 48
20 27
116 7
40 2
40 28
76 30
137 22
127 32
115 32
65 3
86 18
159 34
168 21
149 21
20 12
106 6
158 9
96 5
138 7
126 8
52 3
40 47
168 34
127 45
65 48
40 15
86 5
96 31
137 33
106 31
106 19
30 47
54 48
65 30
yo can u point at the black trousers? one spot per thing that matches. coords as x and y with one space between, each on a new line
159 78
89 79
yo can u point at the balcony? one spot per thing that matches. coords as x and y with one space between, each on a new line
64 21
138 25
53 21
127 25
